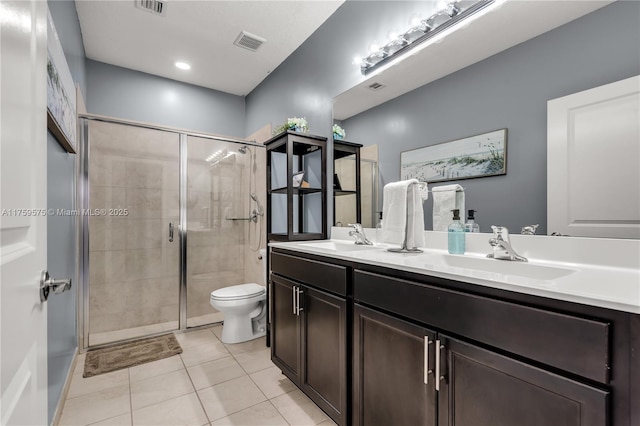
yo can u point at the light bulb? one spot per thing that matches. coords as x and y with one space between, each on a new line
182 65
357 60
415 19
392 35
374 47
441 5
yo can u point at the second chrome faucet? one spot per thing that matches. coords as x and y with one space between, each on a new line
501 244
358 234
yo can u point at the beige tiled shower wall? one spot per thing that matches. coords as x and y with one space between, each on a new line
218 249
133 268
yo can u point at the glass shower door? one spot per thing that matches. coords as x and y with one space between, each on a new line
218 204
134 205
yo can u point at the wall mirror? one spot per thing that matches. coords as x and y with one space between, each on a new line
471 83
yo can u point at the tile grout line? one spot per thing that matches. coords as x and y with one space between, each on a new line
278 411
130 396
195 390
164 400
269 400
247 374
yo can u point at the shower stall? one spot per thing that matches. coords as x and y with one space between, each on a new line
167 217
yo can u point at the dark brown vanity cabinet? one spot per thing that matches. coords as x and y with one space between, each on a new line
423 350
393 371
285 338
309 329
481 387
464 383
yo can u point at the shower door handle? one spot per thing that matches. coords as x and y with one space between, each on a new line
170 232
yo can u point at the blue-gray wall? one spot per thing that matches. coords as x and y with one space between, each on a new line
61 230
133 95
61 263
507 90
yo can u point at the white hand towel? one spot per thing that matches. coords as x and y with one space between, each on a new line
415 226
445 199
398 197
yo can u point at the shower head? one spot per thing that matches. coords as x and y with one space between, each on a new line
243 149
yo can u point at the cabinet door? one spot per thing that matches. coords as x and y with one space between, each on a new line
285 329
480 387
324 326
393 360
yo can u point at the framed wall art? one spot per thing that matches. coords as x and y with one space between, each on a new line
472 157
61 92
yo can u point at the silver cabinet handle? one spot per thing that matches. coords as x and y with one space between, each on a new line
427 371
298 300
439 347
293 291
437 365
47 284
170 232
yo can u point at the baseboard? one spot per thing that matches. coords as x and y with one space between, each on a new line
65 390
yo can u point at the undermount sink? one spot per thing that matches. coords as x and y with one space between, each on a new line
506 267
338 246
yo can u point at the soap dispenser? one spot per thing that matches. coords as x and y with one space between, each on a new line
471 225
456 234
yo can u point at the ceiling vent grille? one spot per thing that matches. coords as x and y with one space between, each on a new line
249 41
157 7
376 86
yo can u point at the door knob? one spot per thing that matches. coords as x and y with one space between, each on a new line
47 284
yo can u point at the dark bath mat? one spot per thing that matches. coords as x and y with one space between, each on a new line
105 360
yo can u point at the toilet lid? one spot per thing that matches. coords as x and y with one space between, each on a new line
242 291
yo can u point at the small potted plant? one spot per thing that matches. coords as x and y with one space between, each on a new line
338 132
296 124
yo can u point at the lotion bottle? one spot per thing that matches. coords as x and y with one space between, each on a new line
456 234
471 225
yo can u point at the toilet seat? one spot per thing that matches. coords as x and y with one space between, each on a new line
238 292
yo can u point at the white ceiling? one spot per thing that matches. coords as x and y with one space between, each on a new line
200 33
504 25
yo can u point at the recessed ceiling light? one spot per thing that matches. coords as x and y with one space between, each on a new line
183 65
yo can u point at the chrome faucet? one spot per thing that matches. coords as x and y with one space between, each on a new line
502 245
358 234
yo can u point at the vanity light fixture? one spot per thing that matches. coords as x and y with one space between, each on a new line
182 65
449 14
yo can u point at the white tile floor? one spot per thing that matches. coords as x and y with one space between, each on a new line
210 383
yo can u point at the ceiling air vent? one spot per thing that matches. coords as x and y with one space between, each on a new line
376 86
249 41
157 7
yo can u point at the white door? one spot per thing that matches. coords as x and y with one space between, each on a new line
593 162
23 227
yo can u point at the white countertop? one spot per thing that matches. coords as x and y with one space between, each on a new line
592 271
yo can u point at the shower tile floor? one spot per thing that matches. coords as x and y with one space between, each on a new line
210 383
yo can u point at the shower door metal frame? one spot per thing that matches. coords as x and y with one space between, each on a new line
182 302
84 189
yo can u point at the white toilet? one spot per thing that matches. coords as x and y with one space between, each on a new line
244 310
